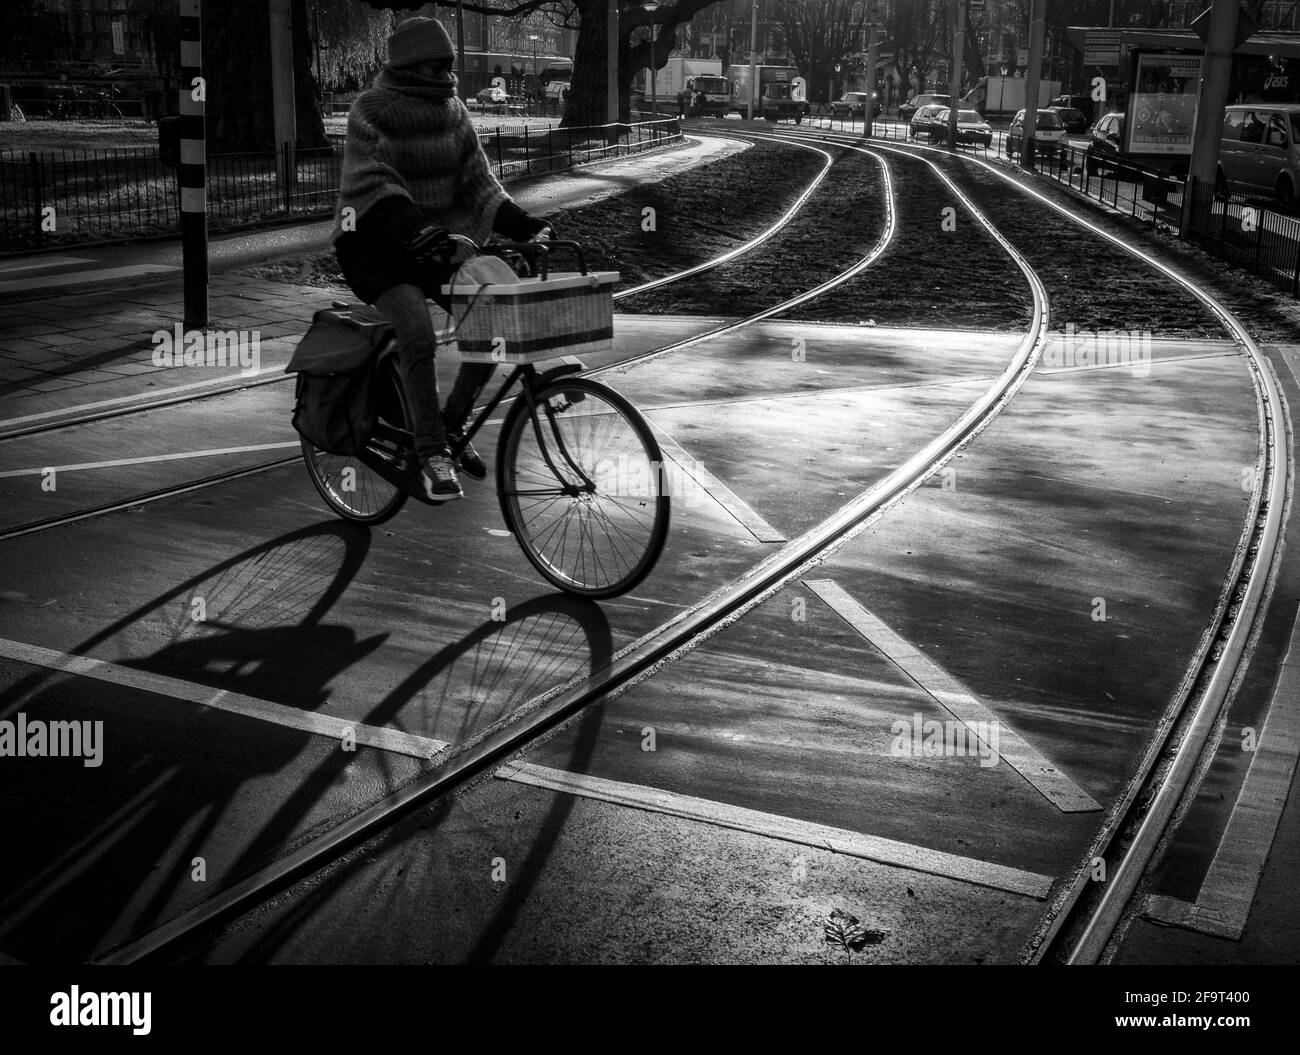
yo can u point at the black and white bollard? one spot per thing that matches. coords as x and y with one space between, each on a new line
193 167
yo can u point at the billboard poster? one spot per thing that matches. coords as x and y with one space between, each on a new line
1162 104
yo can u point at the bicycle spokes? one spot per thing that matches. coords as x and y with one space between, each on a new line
585 489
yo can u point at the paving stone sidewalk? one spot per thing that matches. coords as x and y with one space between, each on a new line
92 345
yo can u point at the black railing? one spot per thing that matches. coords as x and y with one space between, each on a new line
77 196
1248 233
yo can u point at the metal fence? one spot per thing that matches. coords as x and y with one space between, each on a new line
50 198
1248 233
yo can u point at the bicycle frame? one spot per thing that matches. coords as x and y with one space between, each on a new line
529 380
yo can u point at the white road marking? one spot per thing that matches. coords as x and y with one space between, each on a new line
384 739
175 456
101 275
137 397
49 261
739 509
956 699
787 829
1223 904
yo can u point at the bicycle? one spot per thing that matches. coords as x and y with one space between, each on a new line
104 107
578 470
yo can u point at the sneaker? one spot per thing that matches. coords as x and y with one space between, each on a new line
439 479
469 459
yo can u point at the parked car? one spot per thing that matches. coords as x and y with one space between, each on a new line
1075 120
971 127
1105 140
854 104
1049 133
908 110
497 101
1260 150
556 90
1082 103
922 122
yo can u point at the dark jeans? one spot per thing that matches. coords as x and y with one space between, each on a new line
406 308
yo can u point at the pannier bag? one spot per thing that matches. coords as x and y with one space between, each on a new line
334 407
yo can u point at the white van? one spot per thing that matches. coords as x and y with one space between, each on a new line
1260 150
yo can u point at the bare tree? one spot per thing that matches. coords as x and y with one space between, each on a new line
237 68
920 31
819 34
586 101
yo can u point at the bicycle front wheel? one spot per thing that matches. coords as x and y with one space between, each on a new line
582 488
349 486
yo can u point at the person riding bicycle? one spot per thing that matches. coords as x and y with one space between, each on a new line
414 177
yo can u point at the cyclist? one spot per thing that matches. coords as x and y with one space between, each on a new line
414 177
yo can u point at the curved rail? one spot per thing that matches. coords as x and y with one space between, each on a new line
1080 932
640 659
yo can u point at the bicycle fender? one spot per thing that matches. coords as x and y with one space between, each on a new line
560 371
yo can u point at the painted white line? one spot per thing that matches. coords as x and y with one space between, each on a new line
102 275
787 829
717 490
49 261
957 700
137 397
1225 898
392 740
177 456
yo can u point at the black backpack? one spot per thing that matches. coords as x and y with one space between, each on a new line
334 407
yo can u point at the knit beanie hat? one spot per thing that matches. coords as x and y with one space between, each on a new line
417 40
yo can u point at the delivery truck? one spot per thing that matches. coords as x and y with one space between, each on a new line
780 92
1003 96
676 74
710 95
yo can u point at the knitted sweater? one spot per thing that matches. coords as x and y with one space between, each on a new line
413 141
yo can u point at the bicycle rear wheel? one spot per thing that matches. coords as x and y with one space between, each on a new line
349 486
581 487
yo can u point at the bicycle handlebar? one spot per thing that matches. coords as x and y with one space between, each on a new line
537 252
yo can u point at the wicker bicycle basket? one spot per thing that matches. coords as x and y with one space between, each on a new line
534 318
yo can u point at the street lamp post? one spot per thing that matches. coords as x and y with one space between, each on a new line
611 68
753 58
652 6
537 87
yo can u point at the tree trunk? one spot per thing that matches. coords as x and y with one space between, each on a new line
587 99
236 67
587 102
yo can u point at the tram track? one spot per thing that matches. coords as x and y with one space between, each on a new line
1083 919
218 479
1086 920
464 763
54 421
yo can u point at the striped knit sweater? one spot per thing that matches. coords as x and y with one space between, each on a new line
413 140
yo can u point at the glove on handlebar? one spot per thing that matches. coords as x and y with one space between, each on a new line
516 224
431 245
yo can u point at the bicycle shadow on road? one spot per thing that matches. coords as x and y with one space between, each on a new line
101 844
108 852
571 638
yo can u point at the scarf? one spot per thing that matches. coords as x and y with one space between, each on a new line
411 137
